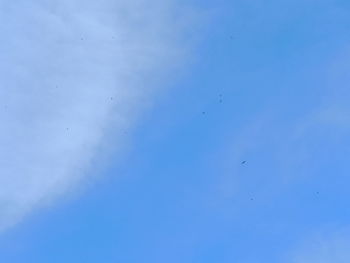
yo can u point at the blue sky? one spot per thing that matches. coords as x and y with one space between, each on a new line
125 124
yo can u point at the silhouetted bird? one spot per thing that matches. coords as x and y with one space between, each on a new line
243 162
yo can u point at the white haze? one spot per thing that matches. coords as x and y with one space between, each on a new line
69 70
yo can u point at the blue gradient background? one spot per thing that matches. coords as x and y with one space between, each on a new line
272 80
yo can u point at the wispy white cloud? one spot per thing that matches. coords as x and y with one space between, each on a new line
69 71
324 248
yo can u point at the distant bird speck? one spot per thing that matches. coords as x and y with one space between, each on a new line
243 162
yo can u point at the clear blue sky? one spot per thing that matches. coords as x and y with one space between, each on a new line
266 82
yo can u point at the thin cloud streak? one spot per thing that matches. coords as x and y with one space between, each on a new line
324 248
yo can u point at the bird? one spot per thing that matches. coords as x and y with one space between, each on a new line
243 162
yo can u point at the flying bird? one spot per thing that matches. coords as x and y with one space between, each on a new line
243 162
